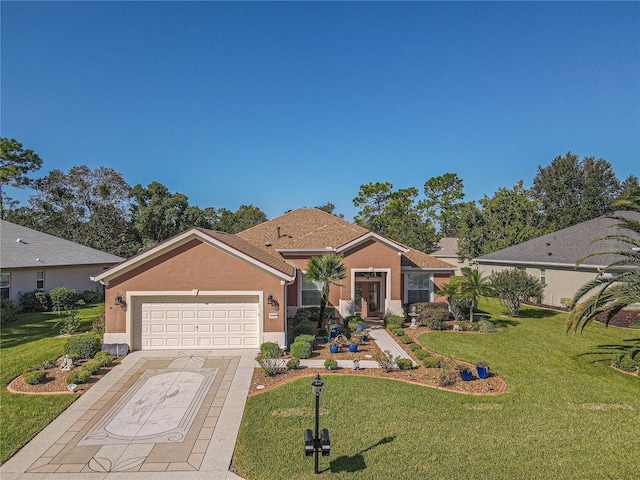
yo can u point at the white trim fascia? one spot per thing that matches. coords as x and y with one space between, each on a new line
429 269
132 295
538 264
183 238
375 236
305 250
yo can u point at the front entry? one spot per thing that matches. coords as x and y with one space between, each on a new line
367 299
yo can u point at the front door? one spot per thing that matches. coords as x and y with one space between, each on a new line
367 299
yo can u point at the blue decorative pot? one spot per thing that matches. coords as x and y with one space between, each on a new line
326 339
353 348
360 326
365 338
333 334
333 348
466 375
482 372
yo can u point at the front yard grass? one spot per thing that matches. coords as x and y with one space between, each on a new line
30 341
563 416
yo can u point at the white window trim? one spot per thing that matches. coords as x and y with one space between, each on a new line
406 285
302 305
8 287
39 279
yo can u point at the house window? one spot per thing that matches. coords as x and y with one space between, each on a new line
40 280
543 276
311 293
5 282
418 287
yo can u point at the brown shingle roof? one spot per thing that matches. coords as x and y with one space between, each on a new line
415 258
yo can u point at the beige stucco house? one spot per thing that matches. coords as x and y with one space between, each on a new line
32 260
210 290
552 258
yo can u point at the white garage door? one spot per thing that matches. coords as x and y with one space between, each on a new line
202 322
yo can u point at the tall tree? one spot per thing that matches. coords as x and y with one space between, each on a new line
573 191
327 270
15 163
617 286
86 206
442 203
246 216
329 208
629 197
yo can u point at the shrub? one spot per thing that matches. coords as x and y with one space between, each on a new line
393 321
304 328
78 377
34 377
270 365
635 326
406 339
386 361
97 325
301 349
398 332
69 324
513 287
331 364
270 350
446 377
421 354
63 298
414 347
460 307
566 302
92 296
35 301
7 311
434 322
310 339
92 367
431 362
626 362
82 346
293 364
467 326
311 314
404 364
49 363
486 326
104 359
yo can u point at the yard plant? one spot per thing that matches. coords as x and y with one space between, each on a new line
563 415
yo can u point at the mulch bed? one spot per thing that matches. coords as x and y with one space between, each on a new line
55 382
427 377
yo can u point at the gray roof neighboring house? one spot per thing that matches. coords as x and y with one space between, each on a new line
447 247
22 247
564 248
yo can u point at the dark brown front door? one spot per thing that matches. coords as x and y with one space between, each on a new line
367 299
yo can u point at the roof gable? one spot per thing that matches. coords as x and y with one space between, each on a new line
567 246
24 247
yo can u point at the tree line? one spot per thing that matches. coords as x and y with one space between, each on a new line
98 208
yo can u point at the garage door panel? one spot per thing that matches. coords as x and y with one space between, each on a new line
210 322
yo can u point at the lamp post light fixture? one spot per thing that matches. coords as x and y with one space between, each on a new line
313 444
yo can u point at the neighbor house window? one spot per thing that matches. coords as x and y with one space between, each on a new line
311 293
40 280
5 282
543 276
418 287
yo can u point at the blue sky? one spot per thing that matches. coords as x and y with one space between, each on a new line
291 104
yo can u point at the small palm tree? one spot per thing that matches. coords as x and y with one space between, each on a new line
327 270
449 290
610 293
472 285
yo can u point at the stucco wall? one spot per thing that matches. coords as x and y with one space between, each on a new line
195 266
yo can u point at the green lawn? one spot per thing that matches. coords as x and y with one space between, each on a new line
563 416
30 341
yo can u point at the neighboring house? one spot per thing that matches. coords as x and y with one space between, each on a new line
552 258
31 260
207 289
447 250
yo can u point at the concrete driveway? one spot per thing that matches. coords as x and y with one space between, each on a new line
158 415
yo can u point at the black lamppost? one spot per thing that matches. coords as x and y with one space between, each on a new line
320 441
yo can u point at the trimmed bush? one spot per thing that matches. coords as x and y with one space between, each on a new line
414 347
104 359
92 367
293 364
83 346
421 354
431 362
7 311
35 301
331 364
486 326
393 321
270 350
434 322
304 328
406 339
301 349
49 363
310 339
91 296
34 377
447 377
404 364
398 332
78 377
63 298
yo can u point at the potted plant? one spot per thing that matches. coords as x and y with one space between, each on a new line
482 367
337 343
364 335
353 343
465 372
